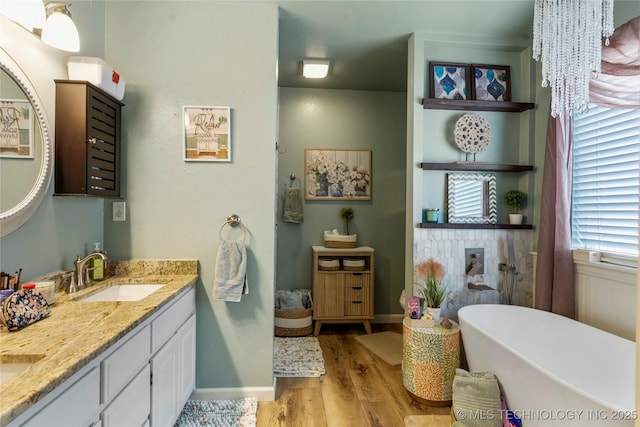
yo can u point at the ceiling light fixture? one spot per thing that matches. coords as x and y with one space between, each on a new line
59 31
315 68
28 13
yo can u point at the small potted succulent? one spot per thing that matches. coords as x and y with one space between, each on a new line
516 199
347 215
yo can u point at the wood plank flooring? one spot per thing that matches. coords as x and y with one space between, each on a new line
358 390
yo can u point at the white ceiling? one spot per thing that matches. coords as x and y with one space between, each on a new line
366 41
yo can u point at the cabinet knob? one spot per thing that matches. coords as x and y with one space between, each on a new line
92 141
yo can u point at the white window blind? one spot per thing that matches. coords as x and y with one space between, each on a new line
606 178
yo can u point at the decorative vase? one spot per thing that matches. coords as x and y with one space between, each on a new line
515 219
434 312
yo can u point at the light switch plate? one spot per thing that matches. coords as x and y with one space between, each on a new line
119 211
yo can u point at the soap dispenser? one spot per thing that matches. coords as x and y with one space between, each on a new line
97 264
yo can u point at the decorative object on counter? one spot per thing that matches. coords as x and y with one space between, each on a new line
471 198
333 239
472 134
430 215
206 133
293 209
337 174
23 308
491 82
448 80
432 287
202 413
516 199
555 42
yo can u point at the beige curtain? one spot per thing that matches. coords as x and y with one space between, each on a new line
617 86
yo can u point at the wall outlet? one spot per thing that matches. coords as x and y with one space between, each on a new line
119 211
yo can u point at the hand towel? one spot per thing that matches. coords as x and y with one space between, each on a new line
293 207
230 281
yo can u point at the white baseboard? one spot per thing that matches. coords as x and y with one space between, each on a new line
263 394
388 318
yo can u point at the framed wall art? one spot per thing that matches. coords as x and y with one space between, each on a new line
491 82
206 133
16 130
449 80
331 174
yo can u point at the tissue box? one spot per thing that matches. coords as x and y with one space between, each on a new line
96 72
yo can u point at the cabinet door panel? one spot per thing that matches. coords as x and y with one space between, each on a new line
132 406
165 325
164 387
187 360
357 292
328 296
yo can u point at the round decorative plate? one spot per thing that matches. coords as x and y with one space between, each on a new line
472 133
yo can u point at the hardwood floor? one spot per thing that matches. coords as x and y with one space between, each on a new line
358 390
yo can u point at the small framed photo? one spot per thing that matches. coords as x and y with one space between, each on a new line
449 80
16 137
491 82
206 133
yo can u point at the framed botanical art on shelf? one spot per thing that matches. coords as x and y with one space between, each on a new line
206 133
331 174
490 82
449 80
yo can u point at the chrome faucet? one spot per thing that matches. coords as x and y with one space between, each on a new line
80 277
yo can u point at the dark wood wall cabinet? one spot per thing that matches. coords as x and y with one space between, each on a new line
87 143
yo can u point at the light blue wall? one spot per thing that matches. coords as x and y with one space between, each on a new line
201 53
315 118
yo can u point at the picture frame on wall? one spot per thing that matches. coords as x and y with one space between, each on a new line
16 138
491 82
331 174
449 80
206 133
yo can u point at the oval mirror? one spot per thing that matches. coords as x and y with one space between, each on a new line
25 147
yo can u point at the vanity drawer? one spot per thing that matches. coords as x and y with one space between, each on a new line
121 366
168 322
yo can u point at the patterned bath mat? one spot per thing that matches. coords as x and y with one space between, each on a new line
219 413
297 357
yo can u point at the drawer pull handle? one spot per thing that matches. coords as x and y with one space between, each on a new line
356 287
357 274
356 302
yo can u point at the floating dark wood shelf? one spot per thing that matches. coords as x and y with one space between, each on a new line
476 226
474 105
475 166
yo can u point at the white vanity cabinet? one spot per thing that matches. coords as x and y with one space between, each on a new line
142 380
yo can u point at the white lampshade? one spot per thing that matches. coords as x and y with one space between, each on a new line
315 69
28 13
59 31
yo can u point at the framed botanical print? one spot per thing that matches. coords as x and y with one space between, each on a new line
331 174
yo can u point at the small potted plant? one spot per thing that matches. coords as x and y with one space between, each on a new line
334 239
432 289
516 199
347 215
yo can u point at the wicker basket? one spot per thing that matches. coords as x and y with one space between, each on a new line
353 264
328 264
293 323
339 244
334 240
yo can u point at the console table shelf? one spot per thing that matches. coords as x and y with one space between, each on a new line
473 166
475 105
476 226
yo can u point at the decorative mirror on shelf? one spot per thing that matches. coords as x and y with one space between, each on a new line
25 147
471 198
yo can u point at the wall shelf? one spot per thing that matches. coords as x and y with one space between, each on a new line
476 226
474 105
474 166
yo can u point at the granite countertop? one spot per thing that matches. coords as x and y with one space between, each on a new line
77 332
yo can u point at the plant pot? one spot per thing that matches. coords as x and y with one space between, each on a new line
515 219
434 312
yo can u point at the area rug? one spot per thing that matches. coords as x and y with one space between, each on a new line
427 421
297 357
219 413
386 345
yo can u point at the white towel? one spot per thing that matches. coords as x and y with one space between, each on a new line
230 282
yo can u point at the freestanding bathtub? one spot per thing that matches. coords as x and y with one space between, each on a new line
553 371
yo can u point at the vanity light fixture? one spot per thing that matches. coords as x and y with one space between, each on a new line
28 13
315 68
59 31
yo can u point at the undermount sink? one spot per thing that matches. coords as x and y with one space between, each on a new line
11 366
122 292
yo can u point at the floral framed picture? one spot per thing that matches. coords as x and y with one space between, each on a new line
332 174
206 133
491 82
16 138
449 80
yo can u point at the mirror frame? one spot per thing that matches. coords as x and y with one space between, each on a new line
489 181
14 218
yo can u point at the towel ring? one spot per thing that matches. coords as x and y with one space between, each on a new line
233 223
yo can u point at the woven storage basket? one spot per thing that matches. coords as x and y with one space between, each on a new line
338 244
328 264
332 240
351 264
293 323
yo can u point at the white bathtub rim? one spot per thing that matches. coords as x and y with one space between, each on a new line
535 366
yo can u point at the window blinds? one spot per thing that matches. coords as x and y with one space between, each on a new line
606 180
